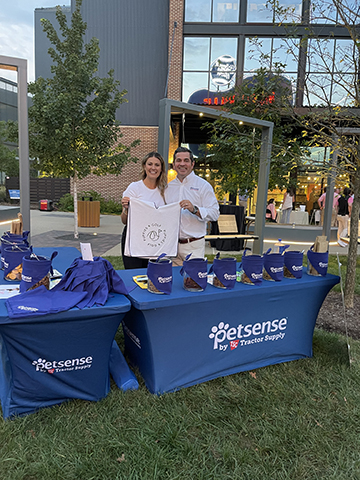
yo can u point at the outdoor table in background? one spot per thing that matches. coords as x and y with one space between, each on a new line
296 216
186 338
299 218
81 339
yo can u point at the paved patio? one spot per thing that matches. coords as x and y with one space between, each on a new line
56 229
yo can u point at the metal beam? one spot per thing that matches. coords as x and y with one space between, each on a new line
167 107
11 63
263 182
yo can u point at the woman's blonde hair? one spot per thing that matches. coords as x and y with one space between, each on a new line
161 181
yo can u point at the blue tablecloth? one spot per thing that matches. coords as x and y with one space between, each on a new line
48 359
187 338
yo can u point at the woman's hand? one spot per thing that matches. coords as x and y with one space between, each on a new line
125 203
125 209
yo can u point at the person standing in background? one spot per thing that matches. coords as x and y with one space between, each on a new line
287 205
321 203
343 211
198 202
334 207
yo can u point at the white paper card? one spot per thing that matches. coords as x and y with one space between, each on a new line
7 291
86 251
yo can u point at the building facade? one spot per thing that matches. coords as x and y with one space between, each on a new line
196 51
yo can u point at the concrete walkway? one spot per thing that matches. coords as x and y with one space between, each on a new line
56 229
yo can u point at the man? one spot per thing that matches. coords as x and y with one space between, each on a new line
344 210
198 202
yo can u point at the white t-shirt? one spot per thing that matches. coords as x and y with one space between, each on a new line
141 191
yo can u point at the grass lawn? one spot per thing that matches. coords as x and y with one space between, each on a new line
296 420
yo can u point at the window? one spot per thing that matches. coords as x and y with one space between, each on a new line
260 11
330 72
270 53
211 11
209 64
274 54
322 12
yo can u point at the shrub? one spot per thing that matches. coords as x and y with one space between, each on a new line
109 207
66 203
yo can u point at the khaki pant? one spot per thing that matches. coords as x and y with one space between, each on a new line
333 217
342 226
197 250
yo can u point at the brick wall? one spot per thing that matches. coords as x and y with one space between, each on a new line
112 186
176 14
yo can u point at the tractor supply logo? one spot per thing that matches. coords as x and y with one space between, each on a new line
225 337
56 366
132 336
154 235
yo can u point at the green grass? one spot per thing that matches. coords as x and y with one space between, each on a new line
296 420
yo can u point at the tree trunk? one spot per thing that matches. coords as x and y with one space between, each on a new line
76 232
353 245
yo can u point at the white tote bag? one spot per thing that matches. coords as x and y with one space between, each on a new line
152 231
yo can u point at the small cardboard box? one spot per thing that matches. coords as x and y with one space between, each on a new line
321 245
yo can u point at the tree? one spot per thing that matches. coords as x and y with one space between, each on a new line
8 161
331 96
234 149
72 125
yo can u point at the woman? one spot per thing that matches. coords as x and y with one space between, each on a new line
270 211
287 205
150 188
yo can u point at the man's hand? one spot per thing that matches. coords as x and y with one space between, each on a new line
187 205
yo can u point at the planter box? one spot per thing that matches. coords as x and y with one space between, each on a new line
88 214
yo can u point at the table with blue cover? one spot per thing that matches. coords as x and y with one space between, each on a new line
48 359
186 338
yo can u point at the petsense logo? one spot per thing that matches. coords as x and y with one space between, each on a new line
165 279
276 269
224 336
55 366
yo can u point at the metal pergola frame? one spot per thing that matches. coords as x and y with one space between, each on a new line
19 65
168 107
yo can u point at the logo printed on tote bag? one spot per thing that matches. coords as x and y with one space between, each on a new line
55 366
267 331
154 235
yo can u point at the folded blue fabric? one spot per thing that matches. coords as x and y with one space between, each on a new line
41 301
96 278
